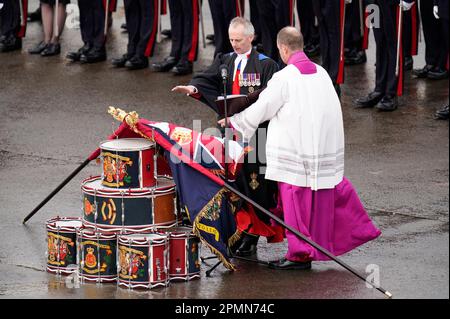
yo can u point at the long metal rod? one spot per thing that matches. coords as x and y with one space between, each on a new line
57 189
307 240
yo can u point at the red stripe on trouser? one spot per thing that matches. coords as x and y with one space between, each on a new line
151 41
238 12
365 44
112 5
291 13
23 28
400 61
414 27
340 76
163 6
193 52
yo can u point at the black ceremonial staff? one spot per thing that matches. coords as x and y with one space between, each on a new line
91 157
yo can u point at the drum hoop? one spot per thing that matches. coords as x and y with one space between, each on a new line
128 150
125 192
92 234
144 242
132 229
51 224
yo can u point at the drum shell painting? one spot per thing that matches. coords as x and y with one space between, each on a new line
128 168
143 209
97 256
61 245
184 258
143 263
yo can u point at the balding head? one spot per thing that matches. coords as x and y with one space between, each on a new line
289 41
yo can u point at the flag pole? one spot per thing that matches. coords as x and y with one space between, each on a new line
132 119
57 189
106 18
307 240
202 25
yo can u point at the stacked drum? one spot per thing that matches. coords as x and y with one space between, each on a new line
129 232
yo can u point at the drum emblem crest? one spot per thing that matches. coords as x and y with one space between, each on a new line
90 259
61 246
131 263
115 169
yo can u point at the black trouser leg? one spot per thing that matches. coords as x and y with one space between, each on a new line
10 18
148 27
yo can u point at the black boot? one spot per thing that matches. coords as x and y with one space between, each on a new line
442 114
75 56
137 63
388 103
409 62
423 72
35 15
437 74
167 33
51 49
248 246
166 65
10 43
38 48
94 55
183 68
120 62
370 100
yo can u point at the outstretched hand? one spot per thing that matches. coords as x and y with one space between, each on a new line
185 89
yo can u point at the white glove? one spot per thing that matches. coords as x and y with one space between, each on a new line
348 1
1 5
406 6
436 12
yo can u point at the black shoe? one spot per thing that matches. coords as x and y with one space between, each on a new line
123 26
35 16
93 55
408 63
51 49
75 56
136 63
167 33
284 264
10 43
165 65
388 103
248 246
437 74
442 114
183 68
423 72
120 62
210 37
359 57
370 100
38 48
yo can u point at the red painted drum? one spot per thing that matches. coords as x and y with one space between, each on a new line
134 210
61 244
142 260
184 257
128 163
97 255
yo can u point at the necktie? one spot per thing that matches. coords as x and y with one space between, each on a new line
236 88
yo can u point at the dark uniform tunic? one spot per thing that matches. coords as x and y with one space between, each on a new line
184 21
142 18
92 21
10 18
222 13
209 84
386 54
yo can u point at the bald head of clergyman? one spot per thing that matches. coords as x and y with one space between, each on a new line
289 41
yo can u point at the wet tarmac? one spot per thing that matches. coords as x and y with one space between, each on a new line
53 114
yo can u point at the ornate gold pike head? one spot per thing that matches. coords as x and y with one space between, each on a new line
130 118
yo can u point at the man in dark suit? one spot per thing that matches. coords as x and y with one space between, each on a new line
389 73
249 72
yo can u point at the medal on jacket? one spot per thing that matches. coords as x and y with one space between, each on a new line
253 79
254 183
258 79
241 80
